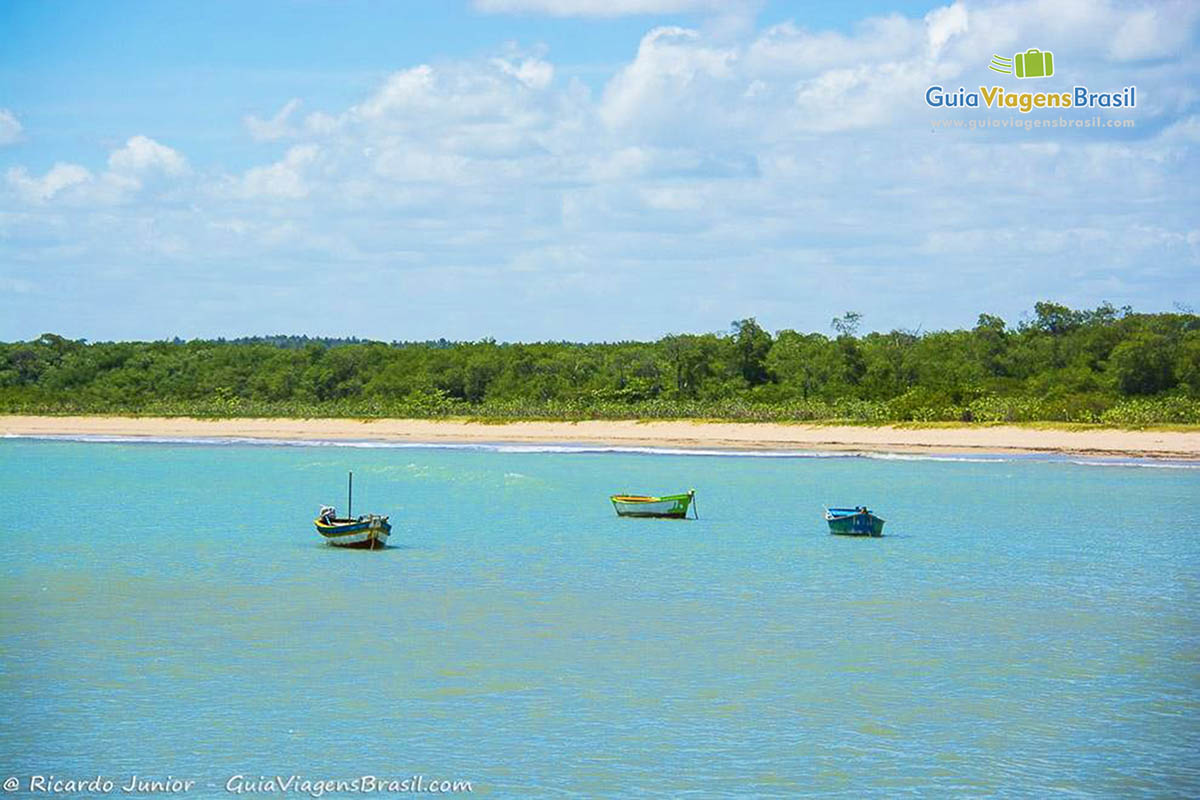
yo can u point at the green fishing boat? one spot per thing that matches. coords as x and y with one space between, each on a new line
670 506
857 521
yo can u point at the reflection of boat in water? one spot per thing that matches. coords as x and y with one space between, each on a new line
366 531
671 506
854 521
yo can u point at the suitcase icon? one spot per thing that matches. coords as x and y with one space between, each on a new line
1034 63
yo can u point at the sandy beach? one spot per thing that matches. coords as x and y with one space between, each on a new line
681 434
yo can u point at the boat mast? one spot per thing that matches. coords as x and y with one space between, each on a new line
350 498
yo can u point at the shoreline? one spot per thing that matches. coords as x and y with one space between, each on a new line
746 436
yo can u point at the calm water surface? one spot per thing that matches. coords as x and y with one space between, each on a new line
1024 629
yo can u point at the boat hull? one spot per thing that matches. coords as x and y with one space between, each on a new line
367 533
670 507
854 523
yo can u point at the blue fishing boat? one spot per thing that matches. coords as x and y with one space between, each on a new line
366 531
858 521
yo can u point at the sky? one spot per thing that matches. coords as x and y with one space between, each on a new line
590 170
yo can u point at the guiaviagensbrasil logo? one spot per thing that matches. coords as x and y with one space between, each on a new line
1032 63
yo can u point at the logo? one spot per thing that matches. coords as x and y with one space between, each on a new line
1033 63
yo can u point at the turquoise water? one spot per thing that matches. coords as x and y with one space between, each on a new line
1024 628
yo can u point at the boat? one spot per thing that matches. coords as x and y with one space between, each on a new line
670 506
857 521
366 531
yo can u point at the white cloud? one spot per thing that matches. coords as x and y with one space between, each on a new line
410 90
533 72
60 177
285 179
142 155
320 124
675 79
785 50
1154 32
277 127
943 24
130 167
10 128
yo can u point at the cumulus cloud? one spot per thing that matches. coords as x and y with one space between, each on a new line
130 167
408 90
142 155
675 80
283 179
10 128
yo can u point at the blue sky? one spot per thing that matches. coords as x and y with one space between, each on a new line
579 169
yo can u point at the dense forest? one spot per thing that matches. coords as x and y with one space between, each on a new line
1108 365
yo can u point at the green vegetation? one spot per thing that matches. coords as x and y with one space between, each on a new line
1108 366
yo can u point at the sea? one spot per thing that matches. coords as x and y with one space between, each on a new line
1026 627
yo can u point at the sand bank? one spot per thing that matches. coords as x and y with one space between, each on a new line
682 434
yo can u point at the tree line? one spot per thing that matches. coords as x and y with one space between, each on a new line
1105 365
